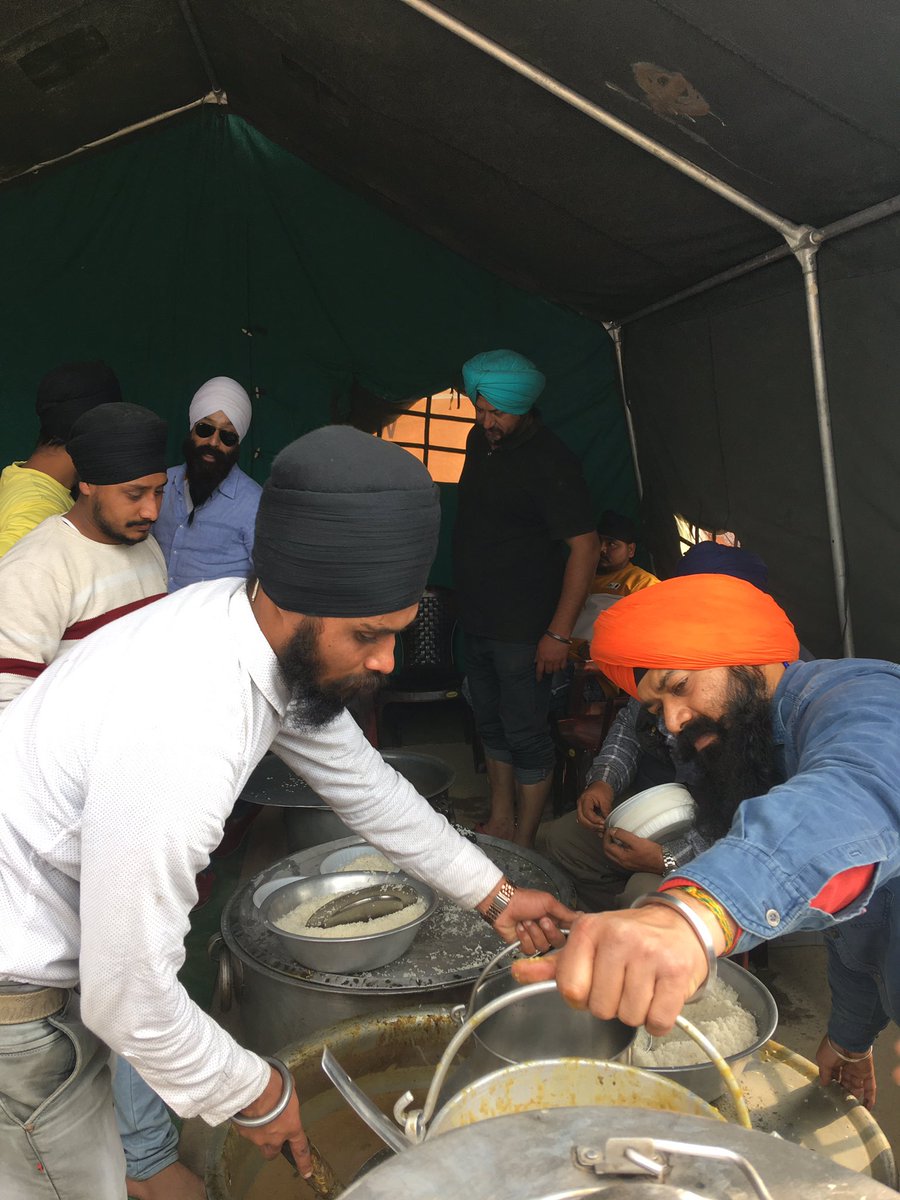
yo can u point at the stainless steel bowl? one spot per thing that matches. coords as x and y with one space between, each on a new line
703 1079
344 955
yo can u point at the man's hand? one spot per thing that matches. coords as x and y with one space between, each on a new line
285 1128
857 1078
594 806
632 853
550 656
639 965
534 918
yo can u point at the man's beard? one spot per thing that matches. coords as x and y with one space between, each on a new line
119 536
314 704
204 477
740 763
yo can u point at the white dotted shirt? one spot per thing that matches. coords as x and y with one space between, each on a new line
120 765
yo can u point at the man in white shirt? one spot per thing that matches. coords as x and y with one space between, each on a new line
120 766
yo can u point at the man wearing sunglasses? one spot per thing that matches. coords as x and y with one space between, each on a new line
205 527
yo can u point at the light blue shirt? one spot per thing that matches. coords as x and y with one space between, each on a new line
219 540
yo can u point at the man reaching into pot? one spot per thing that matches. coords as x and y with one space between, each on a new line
120 765
801 759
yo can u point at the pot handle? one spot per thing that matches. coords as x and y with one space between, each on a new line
362 1105
415 1123
494 962
734 1088
228 977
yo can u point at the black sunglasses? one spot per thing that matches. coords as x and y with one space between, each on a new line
227 437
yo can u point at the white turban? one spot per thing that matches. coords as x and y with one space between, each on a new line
222 394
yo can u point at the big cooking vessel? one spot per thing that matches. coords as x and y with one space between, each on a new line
308 819
280 1001
613 1153
397 1051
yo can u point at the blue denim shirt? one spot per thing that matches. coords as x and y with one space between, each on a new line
219 541
838 724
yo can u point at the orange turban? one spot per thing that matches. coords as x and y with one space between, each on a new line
693 622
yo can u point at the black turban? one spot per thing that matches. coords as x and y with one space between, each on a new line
70 390
615 525
347 526
115 443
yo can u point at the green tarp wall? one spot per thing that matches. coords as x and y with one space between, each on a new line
200 248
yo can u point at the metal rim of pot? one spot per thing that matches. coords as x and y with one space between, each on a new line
414 1122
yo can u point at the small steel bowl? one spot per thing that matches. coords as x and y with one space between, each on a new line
703 1079
343 955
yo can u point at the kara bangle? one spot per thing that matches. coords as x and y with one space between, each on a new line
704 937
287 1080
847 1058
557 637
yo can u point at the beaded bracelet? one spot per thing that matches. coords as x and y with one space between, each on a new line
287 1080
847 1058
730 932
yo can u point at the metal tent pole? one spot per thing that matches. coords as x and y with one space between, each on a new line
615 332
806 256
800 240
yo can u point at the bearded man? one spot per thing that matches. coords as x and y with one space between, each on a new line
205 526
76 572
799 764
524 552
120 765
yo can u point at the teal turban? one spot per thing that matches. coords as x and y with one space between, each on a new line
507 380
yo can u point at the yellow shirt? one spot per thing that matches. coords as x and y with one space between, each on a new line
27 497
623 582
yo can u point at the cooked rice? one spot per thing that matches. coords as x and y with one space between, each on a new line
720 1015
372 861
295 921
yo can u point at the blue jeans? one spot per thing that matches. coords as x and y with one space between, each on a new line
864 971
510 706
58 1137
149 1138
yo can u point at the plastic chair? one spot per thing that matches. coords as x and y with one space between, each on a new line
428 668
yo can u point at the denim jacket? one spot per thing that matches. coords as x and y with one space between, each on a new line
838 724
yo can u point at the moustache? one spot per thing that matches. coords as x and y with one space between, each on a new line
686 740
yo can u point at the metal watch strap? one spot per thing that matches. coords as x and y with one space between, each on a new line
499 902
669 863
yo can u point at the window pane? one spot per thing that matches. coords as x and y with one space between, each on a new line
445 468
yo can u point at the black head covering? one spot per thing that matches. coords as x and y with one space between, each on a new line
70 390
347 526
115 443
615 525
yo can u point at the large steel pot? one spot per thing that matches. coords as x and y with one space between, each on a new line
308 819
279 1001
534 1158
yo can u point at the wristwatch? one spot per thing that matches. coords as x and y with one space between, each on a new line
669 863
499 902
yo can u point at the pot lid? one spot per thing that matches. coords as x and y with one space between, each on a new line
450 949
610 1154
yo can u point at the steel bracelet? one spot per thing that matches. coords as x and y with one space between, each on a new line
848 1058
557 637
284 1100
704 937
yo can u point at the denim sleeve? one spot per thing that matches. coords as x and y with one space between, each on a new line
616 764
857 1014
839 808
686 848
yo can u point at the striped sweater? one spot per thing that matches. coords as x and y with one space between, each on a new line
57 586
